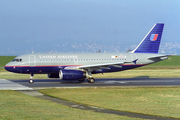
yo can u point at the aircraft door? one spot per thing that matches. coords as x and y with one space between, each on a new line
32 60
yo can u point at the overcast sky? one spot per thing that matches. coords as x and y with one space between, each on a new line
83 25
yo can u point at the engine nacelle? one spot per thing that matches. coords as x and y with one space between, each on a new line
71 74
54 75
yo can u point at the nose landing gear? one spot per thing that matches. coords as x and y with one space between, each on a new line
31 79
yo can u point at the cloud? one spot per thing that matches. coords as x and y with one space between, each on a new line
170 48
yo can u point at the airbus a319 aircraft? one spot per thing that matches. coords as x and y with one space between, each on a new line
80 66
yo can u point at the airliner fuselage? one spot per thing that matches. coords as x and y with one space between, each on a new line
53 63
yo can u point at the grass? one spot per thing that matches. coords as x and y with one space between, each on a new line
17 106
153 101
5 59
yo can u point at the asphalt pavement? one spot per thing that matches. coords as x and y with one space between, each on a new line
108 82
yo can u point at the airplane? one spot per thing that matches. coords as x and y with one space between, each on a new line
78 66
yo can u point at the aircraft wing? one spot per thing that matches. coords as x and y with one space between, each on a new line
93 67
102 65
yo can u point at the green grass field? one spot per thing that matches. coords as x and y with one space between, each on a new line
5 59
17 106
157 101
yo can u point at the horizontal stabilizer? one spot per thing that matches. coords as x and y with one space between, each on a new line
162 57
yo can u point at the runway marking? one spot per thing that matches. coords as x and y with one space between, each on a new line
9 85
112 82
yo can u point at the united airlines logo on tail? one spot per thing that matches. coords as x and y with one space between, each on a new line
153 37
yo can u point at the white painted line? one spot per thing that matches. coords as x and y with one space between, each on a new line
9 85
112 82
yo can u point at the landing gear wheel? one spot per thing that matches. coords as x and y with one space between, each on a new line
31 81
91 80
81 80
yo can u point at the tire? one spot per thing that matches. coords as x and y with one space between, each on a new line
31 81
91 80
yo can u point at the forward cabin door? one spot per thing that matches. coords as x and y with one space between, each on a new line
32 60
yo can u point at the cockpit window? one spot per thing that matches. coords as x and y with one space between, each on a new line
17 60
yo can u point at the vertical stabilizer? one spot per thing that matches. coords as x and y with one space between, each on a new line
151 42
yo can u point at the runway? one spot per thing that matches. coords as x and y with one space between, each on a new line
108 82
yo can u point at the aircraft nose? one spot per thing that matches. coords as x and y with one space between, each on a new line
9 67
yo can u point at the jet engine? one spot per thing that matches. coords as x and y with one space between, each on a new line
69 75
72 74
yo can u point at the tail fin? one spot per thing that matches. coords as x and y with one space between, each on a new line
151 42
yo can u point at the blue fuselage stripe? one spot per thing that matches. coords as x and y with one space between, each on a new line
56 69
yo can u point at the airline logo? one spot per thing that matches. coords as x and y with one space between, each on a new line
153 37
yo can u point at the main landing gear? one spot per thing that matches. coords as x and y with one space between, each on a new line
91 80
31 79
89 76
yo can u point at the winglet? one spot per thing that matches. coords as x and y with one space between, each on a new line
151 42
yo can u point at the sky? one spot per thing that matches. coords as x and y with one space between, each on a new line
48 26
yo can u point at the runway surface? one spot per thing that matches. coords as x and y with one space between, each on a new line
8 85
108 82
